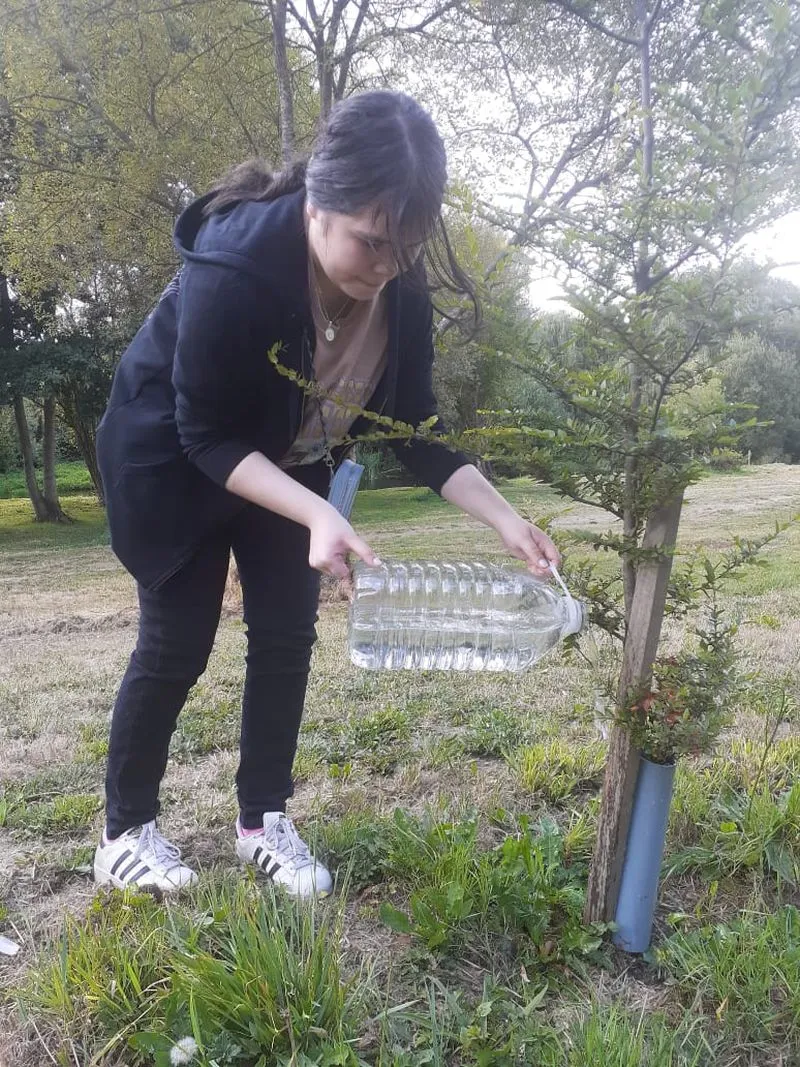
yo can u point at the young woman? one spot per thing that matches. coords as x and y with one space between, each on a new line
206 448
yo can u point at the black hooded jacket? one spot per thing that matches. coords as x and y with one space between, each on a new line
195 392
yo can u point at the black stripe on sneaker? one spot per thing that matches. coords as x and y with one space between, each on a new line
124 874
273 869
257 854
121 859
139 874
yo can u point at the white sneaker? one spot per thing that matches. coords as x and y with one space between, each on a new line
280 852
141 857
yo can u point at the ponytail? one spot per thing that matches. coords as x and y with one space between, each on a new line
255 180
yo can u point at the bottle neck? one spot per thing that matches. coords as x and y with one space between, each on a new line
574 611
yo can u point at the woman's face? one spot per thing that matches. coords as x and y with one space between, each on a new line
354 251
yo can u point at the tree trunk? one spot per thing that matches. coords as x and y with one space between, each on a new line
83 427
326 53
333 40
45 504
277 10
325 75
54 511
86 441
26 448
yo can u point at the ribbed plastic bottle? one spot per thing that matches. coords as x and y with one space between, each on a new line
427 615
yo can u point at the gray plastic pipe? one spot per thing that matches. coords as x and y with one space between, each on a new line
344 485
644 850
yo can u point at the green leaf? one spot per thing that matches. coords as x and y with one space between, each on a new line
156 1045
781 861
455 895
395 919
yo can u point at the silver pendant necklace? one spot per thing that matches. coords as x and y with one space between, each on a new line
332 322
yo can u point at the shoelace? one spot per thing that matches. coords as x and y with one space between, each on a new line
166 854
288 839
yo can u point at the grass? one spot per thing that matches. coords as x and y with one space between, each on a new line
747 973
50 818
19 533
519 900
236 974
458 815
557 770
756 831
241 976
71 477
377 741
614 1037
207 724
93 743
747 767
493 733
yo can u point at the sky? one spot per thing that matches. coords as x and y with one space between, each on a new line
781 244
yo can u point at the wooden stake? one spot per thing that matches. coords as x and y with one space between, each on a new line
641 645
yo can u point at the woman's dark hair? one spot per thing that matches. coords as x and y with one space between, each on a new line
376 149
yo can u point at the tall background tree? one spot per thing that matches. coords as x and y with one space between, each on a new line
761 363
114 119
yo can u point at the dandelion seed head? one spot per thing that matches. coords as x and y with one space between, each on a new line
183 1051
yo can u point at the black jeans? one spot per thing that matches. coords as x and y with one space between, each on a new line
178 623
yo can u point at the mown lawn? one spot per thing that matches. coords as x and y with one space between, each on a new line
456 811
71 477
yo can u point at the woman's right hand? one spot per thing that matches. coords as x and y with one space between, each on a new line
332 539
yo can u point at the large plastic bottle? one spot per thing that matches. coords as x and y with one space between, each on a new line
426 615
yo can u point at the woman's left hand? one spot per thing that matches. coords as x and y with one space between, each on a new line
469 490
527 542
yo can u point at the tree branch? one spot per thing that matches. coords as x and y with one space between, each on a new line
346 59
572 9
301 21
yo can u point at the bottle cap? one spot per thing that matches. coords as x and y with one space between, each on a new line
574 611
575 616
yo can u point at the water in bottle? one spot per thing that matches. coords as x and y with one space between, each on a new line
427 615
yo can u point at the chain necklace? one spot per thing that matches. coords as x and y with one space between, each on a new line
327 455
316 389
332 322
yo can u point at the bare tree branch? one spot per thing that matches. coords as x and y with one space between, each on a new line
301 21
346 58
573 9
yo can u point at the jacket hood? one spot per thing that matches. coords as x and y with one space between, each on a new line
264 239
